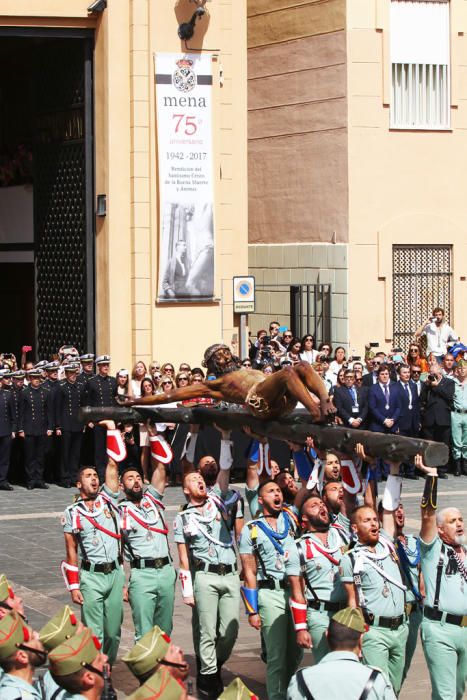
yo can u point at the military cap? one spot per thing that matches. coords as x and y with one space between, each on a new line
40 365
73 654
71 367
352 618
147 652
13 632
461 363
36 372
161 685
123 373
88 357
52 366
19 374
5 588
237 690
59 628
5 373
103 360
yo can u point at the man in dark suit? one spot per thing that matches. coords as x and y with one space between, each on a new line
351 402
435 406
384 403
372 376
409 420
7 428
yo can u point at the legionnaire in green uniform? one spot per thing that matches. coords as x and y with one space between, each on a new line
264 547
9 601
57 630
444 569
459 419
316 591
20 653
78 666
325 681
91 525
144 531
372 578
161 685
208 574
392 517
152 650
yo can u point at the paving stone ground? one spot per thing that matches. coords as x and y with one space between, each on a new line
31 548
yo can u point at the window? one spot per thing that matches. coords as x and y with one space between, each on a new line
419 46
421 278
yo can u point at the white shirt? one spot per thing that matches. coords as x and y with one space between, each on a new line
437 337
309 356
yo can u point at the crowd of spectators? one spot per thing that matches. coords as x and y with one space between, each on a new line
409 392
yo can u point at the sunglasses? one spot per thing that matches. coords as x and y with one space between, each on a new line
246 364
158 376
415 372
288 335
166 383
179 379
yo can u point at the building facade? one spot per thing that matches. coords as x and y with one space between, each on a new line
357 125
80 239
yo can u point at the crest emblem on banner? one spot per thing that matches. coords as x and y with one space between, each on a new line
184 77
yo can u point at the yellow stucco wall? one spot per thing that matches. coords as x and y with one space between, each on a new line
405 187
127 33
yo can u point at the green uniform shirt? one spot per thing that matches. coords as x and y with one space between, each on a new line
251 496
99 546
206 531
382 597
273 560
144 543
233 503
321 573
325 679
460 395
15 688
453 590
50 687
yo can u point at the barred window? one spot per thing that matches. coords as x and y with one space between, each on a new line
420 77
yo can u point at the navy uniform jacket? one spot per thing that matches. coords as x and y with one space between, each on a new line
35 411
15 394
84 377
68 399
7 413
101 391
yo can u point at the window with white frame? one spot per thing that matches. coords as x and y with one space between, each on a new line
419 47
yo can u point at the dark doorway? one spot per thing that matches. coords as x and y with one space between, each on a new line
46 189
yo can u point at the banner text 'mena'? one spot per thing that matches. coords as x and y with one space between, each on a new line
185 101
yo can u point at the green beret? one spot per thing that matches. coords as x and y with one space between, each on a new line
60 628
237 690
161 685
70 656
12 633
5 588
352 618
147 652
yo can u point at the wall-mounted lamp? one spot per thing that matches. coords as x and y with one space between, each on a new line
101 209
187 29
97 6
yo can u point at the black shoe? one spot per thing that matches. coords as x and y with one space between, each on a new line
5 486
207 686
457 466
42 485
442 475
30 487
414 477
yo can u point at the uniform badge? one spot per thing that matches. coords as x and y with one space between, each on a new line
63 520
107 513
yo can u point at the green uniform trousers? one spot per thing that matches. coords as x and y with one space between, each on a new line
445 648
385 649
215 617
151 593
415 620
282 651
318 623
459 435
102 609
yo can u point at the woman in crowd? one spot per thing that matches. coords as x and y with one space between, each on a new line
293 353
139 372
415 357
169 369
307 351
338 380
338 362
123 383
182 379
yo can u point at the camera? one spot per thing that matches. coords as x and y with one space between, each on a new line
265 340
431 377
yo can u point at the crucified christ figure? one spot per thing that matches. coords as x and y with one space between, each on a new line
266 397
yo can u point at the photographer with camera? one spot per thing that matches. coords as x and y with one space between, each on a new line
436 399
439 334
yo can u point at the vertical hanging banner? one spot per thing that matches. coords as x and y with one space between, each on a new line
184 139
